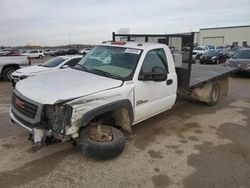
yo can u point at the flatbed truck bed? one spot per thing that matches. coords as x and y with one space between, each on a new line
203 74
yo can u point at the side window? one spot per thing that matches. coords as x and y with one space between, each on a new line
73 62
153 58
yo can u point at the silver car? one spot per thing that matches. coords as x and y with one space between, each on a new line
241 60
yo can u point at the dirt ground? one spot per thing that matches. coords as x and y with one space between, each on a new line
191 145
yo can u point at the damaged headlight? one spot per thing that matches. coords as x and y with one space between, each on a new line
57 117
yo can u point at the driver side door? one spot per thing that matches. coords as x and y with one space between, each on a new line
153 97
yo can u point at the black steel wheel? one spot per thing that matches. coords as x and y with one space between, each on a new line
7 73
100 142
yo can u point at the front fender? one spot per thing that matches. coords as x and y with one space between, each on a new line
87 117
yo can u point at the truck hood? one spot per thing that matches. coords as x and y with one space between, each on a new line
31 70
62 85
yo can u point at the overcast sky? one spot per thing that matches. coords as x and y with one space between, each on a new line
51 22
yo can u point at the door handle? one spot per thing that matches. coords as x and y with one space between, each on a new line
169 82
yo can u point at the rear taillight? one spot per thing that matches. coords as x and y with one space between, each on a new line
29 59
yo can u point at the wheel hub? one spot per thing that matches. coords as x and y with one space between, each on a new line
100 135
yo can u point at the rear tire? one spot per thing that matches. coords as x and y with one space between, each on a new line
101 150
40 56
214 95
7 72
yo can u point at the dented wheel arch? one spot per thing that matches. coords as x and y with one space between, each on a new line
121 111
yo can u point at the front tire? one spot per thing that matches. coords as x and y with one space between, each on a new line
101 150
7 73
40 57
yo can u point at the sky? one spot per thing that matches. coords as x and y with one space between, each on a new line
61 22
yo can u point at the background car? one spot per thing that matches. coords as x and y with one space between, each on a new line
50 65
241 59
34 54
59 53
199 50
213 56
48 51
84 51
72 51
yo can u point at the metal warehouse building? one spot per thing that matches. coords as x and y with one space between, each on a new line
236 35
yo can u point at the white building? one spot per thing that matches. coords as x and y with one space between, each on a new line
236 35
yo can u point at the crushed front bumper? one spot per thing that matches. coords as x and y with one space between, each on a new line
15 121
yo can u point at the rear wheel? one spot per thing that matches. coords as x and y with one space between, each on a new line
40 56
101 142
214 95
7 72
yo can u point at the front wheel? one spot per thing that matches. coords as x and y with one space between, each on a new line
40 56
7 73
101 142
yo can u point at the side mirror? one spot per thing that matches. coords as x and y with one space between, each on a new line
158 74
64 66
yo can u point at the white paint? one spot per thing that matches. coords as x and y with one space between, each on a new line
49 88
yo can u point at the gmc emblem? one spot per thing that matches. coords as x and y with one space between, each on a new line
19 103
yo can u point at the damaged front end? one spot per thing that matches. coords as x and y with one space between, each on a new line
56 118
54 125
46 123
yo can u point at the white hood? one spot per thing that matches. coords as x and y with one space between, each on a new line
66 84
31 70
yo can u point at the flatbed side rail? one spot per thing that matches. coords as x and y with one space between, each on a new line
184 71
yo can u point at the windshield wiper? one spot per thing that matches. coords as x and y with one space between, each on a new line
82 67
106 74
102 73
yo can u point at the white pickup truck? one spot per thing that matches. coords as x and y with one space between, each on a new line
117 84
8 64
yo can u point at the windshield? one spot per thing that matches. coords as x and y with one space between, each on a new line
53 62
113 62
242 54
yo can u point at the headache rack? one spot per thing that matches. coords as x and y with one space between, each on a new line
181 43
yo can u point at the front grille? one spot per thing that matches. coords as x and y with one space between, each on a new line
26 108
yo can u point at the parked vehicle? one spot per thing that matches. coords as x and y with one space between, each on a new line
84 51
34 54
199 50
213 56
3 52
48 52
9 64
59 53
72 51
11 53
241 60
117 84
48 66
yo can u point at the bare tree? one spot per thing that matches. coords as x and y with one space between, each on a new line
124 30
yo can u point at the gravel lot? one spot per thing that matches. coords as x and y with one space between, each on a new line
191 145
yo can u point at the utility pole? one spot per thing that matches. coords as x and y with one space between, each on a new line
69 40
